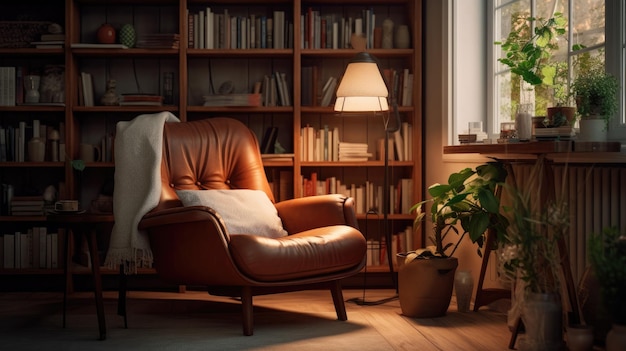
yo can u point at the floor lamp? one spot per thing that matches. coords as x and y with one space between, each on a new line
363 89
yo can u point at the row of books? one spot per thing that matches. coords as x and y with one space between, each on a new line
51 84
400 86
281 183
85 89
14 141
212 30
310 92
333 31
27 206
368 196
86 94
34 248
273 90
377 249
324 145
10 85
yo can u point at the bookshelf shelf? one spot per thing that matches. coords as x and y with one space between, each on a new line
127 109
355 164
241 109
84 52
348 53
28 219
30 52
247 53
30 271
32 164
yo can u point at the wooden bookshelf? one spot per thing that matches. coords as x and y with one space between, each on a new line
199 72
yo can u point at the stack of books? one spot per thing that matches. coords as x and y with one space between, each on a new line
141 100
27 206
50 41
159 41
353 152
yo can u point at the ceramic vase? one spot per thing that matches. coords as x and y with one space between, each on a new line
31 87
106 34
579 337
464 286
402 39
387 40
542 315
36 145
127 35
616 338
523 123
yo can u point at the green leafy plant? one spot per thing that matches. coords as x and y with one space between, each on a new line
596 94
469 199
528 55
607 254
529 250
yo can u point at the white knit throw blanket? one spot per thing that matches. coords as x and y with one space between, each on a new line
137 181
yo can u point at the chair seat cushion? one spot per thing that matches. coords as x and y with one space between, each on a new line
313 252
244 211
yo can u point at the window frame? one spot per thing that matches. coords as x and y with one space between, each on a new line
615 53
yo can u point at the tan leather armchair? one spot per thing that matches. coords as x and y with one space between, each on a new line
191 245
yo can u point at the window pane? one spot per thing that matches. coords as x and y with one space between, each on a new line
588 22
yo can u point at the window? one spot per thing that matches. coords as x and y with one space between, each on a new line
595 35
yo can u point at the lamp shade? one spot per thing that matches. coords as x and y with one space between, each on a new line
362 87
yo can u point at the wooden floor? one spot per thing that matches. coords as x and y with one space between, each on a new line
383 324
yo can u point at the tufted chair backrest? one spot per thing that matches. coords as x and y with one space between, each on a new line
214 153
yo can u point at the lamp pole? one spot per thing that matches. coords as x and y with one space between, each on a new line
386 195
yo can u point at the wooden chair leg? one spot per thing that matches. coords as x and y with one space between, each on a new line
516 329
121 298
340 306
246 309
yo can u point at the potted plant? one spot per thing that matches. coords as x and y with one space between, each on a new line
596 94
607 255
529 56
426 276
530 257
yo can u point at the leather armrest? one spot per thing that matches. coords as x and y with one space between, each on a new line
312 212
182 217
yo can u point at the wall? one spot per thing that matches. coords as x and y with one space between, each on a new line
465 92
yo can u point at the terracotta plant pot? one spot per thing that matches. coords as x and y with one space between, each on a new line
559 114
425 286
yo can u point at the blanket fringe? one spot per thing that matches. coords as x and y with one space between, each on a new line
138 258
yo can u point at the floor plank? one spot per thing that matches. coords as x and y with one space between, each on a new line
300 320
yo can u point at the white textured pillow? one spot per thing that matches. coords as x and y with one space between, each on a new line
244 211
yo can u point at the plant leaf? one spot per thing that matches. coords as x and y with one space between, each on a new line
78 165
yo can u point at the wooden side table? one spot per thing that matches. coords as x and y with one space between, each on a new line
84 224
545 152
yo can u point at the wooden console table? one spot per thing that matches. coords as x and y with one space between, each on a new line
84 224
547 152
